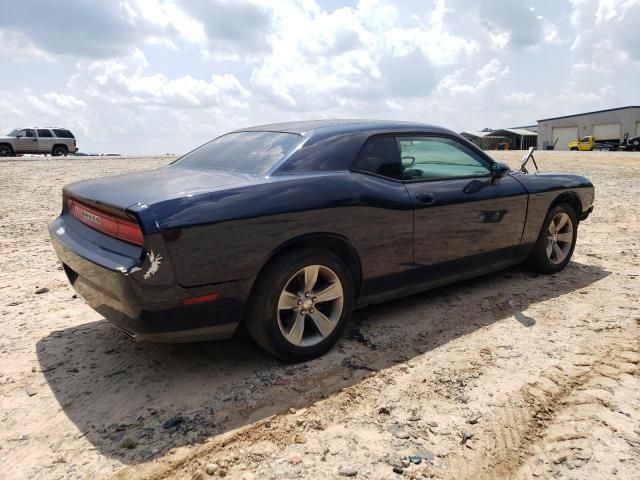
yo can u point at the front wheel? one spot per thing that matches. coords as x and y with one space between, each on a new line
556 242
301 304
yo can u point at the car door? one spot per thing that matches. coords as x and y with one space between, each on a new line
45 140
27 142
384 232
464 219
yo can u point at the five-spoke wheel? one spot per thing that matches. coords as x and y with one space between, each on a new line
300 304
556 241
310 305
559 238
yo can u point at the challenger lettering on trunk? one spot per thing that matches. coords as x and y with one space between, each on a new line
89 216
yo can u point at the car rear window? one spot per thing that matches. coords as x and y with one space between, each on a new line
245 152
63 133
43 132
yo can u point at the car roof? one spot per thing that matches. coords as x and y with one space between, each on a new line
340 125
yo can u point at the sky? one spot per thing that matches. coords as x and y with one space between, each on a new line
164 76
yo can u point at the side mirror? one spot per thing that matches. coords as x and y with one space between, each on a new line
499 170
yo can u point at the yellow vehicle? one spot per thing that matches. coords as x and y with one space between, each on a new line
588 143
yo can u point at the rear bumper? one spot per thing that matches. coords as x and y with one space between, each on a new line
142 309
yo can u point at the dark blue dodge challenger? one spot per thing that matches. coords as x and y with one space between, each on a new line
289 227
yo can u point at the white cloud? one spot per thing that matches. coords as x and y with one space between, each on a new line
519 98
231 25
483 78
63 101
20 48
608 39
167 14
97 29
513 24
125 81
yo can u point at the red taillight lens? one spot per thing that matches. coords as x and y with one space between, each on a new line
111 225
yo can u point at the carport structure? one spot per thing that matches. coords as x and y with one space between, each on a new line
518 138
485 139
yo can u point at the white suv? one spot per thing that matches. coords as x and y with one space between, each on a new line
54 141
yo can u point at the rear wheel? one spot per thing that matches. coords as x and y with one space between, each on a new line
6 151
556 241
574 149
300 304
59 150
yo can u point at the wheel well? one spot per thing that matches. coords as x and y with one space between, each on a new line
59 145
570 198
8 145
335 244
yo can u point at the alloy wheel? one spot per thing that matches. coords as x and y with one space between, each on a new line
559 238
310 305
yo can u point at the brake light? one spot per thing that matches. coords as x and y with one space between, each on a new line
108 224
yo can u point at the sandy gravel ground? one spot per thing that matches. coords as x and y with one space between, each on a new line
512 375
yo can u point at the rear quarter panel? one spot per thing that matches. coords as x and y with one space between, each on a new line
229 235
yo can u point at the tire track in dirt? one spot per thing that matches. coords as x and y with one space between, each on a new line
550 428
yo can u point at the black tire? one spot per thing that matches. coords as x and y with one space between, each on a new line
574 149
540 260
6 151
59 151
263 316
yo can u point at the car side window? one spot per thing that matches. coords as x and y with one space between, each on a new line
62 133
380 155
43 132
27 132
432 158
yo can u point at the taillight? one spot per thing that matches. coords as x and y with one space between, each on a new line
111 225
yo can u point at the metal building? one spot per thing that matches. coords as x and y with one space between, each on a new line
606 125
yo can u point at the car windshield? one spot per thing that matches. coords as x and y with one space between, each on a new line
245 152
13 133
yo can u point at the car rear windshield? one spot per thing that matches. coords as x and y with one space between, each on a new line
254 153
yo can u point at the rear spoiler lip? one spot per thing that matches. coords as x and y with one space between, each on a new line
105 207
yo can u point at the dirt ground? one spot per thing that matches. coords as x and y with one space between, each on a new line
512 375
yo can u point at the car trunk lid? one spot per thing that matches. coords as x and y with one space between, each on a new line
145 188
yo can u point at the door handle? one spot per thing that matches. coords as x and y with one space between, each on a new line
426 198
